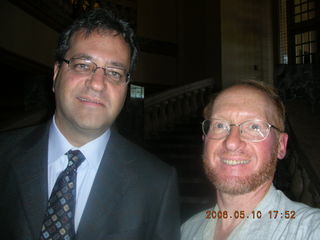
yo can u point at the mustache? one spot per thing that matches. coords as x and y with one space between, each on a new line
228 154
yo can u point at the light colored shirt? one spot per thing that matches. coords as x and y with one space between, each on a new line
93 151
303 222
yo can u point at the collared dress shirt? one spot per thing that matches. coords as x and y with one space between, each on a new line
293 221
93 151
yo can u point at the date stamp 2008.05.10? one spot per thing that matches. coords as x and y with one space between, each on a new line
272 214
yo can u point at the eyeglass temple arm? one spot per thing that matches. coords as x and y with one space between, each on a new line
278 129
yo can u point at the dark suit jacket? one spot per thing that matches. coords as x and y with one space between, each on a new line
133 197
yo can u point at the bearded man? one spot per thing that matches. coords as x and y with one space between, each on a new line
243 134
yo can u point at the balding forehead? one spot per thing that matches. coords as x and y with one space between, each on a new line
237 93
241 91
240 98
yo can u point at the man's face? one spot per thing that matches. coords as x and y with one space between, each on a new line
236 166
86 105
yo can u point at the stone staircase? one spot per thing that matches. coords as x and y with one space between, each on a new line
172 131
181 146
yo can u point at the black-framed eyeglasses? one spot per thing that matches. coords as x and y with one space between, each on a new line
83 66
251 130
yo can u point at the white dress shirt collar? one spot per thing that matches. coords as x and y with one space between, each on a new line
59 145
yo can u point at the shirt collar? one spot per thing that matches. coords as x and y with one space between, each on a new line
59 145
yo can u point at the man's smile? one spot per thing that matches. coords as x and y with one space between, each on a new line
89 100
235 162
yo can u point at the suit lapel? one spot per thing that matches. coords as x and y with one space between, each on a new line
108 189
31 173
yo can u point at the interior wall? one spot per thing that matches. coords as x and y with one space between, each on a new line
194 27
213 42
24 35
29 38
246 41
156 69
228 40
189 25
197 40
157 20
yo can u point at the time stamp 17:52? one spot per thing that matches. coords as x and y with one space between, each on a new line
273 214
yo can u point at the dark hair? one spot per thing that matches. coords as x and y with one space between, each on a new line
266 89
98 19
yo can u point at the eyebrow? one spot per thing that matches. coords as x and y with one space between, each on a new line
117 64
83 56
111 64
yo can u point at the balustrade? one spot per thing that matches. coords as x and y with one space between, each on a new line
164 110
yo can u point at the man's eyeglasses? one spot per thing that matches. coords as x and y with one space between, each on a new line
251 130
82 66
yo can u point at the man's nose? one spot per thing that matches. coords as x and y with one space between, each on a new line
97 79
233 140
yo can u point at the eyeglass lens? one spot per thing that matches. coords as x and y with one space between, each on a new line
85 66
252 130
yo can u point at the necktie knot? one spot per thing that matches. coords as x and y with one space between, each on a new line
75 158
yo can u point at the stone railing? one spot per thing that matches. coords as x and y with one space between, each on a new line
164 110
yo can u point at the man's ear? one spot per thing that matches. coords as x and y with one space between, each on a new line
56 69
282 148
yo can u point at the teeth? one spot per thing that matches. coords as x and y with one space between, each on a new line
83 99
86 100
234 162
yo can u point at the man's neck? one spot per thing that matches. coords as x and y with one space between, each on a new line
242 204
76 136
247 201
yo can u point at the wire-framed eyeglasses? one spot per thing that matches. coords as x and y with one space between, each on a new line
251 130
84 66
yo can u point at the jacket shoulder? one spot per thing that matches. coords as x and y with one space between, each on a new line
137 149
10 140
139 157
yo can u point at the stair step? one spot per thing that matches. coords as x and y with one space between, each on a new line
181 147
174 148
187 129
187 139
189 157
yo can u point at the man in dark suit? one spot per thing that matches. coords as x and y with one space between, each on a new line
117 190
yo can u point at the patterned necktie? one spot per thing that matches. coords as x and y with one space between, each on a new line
59 218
